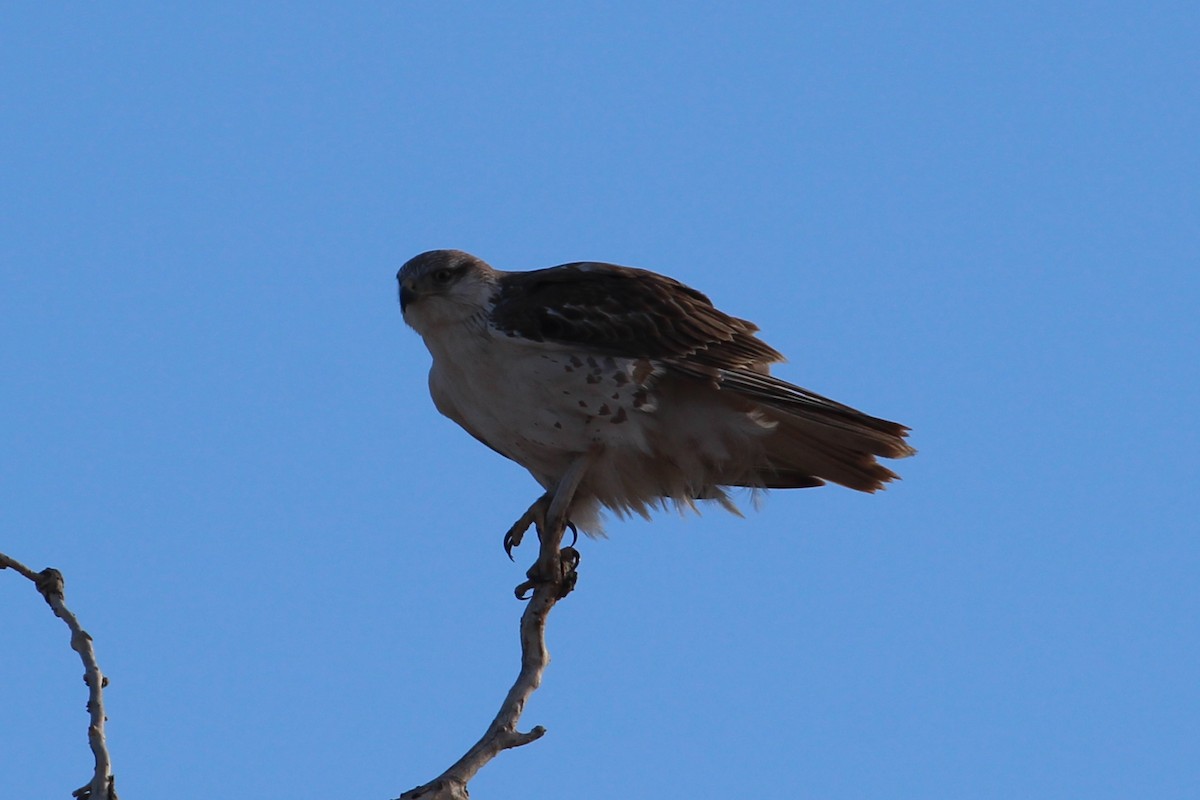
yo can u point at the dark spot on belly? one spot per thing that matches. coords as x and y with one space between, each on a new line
559 425
593 377
604 410
582 404
642 369
639 398
616 395
620 378
619 417
575 362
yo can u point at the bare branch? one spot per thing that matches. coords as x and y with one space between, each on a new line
552 583
49 583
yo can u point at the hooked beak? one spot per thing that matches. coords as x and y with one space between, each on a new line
406 296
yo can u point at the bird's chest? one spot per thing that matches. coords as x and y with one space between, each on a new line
539 404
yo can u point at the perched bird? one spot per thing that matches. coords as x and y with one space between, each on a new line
625 389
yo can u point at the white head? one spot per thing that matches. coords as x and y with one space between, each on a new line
444 287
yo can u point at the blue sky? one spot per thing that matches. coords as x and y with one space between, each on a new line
982 220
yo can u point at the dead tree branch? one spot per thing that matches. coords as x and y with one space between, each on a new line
49 583
552 578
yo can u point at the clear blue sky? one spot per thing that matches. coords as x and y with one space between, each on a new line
980 219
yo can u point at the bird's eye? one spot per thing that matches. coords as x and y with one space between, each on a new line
442 277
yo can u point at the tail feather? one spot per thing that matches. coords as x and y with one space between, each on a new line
815 439
805 446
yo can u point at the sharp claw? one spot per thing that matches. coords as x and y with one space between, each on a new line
516 533
574 536
533 516
512 539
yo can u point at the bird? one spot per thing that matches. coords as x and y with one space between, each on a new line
625 390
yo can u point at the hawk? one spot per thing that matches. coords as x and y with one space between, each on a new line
623 389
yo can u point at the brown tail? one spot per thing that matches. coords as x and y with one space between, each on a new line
816 439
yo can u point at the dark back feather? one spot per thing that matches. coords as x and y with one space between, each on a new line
626 312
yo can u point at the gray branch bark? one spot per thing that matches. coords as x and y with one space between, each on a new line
50 584
552 578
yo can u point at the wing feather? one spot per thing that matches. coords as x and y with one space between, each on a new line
628 312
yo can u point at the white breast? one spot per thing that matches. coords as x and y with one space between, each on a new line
539 404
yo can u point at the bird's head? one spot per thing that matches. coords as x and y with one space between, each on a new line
444 287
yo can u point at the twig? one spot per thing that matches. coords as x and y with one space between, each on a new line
502 734
49 583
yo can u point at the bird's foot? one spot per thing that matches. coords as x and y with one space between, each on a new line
534 515
557 569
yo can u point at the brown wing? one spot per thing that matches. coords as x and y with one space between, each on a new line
627 312
634 313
